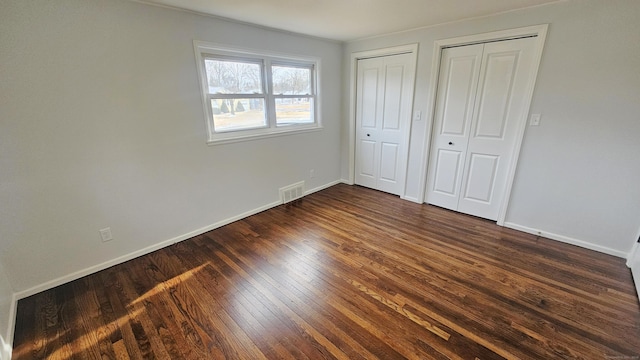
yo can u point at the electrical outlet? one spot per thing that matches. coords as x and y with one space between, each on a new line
105 234
535 120
312 173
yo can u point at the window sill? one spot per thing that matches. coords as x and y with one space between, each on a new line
236 137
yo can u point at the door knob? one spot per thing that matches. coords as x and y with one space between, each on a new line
450 143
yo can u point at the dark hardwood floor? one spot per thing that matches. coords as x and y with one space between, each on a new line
345 273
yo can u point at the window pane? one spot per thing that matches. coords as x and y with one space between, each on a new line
294 111
288 80
233 77
238 114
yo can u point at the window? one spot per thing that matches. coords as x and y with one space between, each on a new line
236 93
248 94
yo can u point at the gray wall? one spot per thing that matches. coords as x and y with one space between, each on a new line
102 125
579 171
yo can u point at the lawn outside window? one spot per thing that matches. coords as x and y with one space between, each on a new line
249 94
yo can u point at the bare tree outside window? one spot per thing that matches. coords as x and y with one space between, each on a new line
235 78
291 80
292 91
249 94
232 77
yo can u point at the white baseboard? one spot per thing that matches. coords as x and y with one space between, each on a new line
93 269
107 264
322 187
568 240
5 343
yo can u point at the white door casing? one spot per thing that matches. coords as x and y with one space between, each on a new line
633 262
471 155
384 95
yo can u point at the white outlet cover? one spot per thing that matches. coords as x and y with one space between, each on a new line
105 234
535 120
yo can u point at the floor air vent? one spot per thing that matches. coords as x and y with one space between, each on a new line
292 192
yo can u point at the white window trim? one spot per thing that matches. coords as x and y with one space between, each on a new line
216 138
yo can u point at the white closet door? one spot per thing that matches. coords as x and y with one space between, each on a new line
502 90
383 115
368 118
457 86
476 183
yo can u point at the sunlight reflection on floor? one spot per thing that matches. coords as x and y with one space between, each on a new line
165 285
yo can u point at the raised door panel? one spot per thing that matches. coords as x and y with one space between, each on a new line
393 97
445 190
369 97
367 155
389 162
366 171
456 103
495 95
481 179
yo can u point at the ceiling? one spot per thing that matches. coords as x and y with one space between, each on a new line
345 20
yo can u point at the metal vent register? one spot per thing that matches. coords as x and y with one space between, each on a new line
292 192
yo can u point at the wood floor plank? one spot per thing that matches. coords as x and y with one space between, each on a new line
120 295
288 330
92 325
278 295
71 329
344 273
148 311
204 309
381 299
318 312
308 288
145 293
361 274
245 308
339 323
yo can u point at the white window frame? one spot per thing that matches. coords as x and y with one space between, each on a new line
204 50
